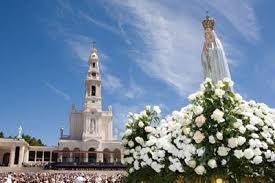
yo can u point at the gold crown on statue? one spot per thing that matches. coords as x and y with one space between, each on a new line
208 22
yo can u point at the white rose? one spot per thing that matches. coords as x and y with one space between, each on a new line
186 131
219 135
248 153
219 92
270 141
200 170
218 116
200 151
141 124
200 120
124 141
267 154
131 170
157 109
232 142
149 129
128 132
129 160
192 96
257 160
198 110
238 97
192 163
255 136
212 163
238 153
131 143
224 162
211 139
242 129
252 143
241 140
223 151
229 81
198 137
238 123
148 108
139 140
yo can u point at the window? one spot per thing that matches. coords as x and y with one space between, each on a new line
93 65
31 155
94 74
93 90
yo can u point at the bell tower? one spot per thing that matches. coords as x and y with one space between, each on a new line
93 83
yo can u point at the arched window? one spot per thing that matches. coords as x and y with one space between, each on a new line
77 155
117 156
92 156
93 90
106 155
65 154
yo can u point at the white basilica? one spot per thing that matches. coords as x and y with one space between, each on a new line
90 138
91 129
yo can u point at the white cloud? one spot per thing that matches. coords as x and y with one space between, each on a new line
134 90
58 91
111 82
241 15
173 38
79 44
100 24
172 43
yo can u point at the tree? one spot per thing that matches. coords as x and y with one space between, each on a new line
29 139
1 134
32 140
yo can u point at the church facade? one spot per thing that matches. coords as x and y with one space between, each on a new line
91 129
90 137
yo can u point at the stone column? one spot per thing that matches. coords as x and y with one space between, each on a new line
51 154
35 156
71 157
99 157
26 157
21 155
86 157
12 156
122 158
43 156
111 157
60 158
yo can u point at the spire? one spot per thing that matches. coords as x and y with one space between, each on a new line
93 82
94 50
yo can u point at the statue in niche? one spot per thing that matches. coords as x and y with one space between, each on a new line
92 126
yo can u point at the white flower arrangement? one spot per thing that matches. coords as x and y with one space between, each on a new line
215 134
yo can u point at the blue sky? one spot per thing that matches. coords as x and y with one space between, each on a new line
149 50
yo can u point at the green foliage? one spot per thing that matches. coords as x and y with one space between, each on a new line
32 140
29 139
1 134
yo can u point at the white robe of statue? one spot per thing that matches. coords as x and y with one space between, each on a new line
214 62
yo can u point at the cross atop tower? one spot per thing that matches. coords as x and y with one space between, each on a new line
94 50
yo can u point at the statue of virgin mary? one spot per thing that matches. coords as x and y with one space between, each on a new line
213 59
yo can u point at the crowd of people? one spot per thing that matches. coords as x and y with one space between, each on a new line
60 177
